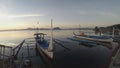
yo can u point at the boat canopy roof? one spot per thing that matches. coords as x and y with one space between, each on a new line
40 34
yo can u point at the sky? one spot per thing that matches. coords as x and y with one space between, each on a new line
18 14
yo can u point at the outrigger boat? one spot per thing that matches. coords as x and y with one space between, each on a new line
44 46
102 39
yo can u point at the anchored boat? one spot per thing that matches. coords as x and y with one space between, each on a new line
45 46
102 39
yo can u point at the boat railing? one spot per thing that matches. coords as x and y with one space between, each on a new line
5 57
19 54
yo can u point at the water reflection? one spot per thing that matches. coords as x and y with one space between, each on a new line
80 56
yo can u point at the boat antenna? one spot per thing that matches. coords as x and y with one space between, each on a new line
51 47
79 27
37 28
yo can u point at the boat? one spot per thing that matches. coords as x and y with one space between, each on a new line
45 46
102 39
42 44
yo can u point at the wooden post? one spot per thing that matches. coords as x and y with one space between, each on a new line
113 32
28 50
119 32
11 57
0 52
3 56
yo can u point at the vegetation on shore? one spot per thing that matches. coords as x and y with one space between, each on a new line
108 29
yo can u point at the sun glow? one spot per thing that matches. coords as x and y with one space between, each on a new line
12 21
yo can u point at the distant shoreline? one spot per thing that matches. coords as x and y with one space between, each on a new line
47 29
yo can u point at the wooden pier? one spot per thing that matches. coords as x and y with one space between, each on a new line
115 57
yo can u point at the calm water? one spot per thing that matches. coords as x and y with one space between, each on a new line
94 57
12 38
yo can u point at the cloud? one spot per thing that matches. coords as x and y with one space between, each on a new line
5 16
27 15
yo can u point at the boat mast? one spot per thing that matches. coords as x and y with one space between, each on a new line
51 47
